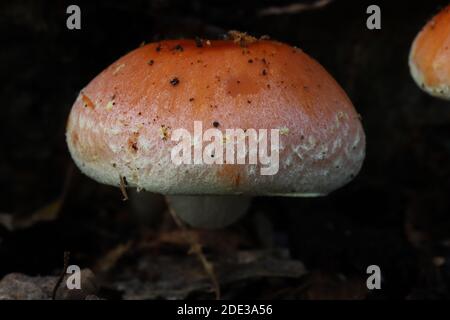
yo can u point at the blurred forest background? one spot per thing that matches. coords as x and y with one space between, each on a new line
395 214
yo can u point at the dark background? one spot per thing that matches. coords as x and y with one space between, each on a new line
395 214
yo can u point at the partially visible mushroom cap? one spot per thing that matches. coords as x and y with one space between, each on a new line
121 124
429 58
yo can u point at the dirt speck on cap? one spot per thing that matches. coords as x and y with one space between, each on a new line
174 81
164 132
87 102
242 38
198 42
178 48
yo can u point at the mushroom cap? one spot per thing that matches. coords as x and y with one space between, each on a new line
429 58
121 123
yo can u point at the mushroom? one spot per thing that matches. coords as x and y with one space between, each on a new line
126 122
429 58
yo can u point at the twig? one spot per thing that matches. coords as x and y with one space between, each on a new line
294 8
63 273
196 249
109 260
123 187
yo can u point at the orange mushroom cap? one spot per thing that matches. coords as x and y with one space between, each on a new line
429 58
121 123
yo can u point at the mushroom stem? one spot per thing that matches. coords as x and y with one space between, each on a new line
211 212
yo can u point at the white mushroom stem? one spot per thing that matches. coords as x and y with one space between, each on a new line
211 212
